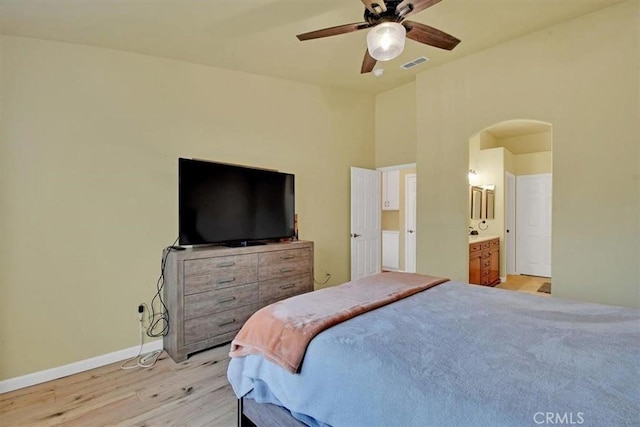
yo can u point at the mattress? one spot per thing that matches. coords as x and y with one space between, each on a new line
456 355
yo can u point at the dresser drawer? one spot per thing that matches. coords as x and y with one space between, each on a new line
495 243
278 264
284 257
203 303
277 289
475 247
207 274
485 276
205 327
485 245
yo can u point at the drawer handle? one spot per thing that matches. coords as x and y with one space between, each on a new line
221 281
228 322
286 270
227 299
288 286
226 264
287 256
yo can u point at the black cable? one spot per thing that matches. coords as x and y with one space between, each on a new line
163 316
325 282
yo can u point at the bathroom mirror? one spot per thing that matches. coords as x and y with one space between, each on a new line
489 201
476 202
483 200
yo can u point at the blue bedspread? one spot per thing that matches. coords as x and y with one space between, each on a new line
462 355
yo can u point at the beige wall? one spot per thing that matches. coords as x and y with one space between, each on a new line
589 93
487 141
395 140
491 167
88 175
391 220
528 143
533 163
509 163
474 154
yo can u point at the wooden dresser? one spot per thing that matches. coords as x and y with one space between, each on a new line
210 292
484 261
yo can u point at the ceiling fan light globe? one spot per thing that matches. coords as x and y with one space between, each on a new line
386 41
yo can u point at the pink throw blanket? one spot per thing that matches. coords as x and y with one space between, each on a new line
282 331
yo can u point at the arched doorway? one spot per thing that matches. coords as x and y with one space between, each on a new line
505 157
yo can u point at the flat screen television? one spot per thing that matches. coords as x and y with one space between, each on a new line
234 205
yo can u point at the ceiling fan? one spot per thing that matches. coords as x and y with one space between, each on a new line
385 40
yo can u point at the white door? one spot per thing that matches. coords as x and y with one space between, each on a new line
410 223
390 249
510 230
533 222
366 230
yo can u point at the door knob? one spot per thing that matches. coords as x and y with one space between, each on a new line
410 231
355 235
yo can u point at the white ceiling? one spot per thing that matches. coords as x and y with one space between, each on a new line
258 36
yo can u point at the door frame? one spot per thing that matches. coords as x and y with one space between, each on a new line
510 230
407 250
402 235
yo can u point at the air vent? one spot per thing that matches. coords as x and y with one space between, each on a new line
415 62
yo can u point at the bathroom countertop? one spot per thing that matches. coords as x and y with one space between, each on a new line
481 238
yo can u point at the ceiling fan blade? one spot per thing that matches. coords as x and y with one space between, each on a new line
375 6
367 63
409 7
429 35
333 31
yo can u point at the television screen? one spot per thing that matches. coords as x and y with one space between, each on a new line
222 203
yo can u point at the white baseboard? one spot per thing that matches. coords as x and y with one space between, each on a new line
73 368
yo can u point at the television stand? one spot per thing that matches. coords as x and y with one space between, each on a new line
210 292
244 244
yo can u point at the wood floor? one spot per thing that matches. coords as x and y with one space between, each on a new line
191 393
527 284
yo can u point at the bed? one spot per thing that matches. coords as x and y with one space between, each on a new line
454 354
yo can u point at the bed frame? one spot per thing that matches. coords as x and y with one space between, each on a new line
253 414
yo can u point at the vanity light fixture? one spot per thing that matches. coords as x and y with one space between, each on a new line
473 176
